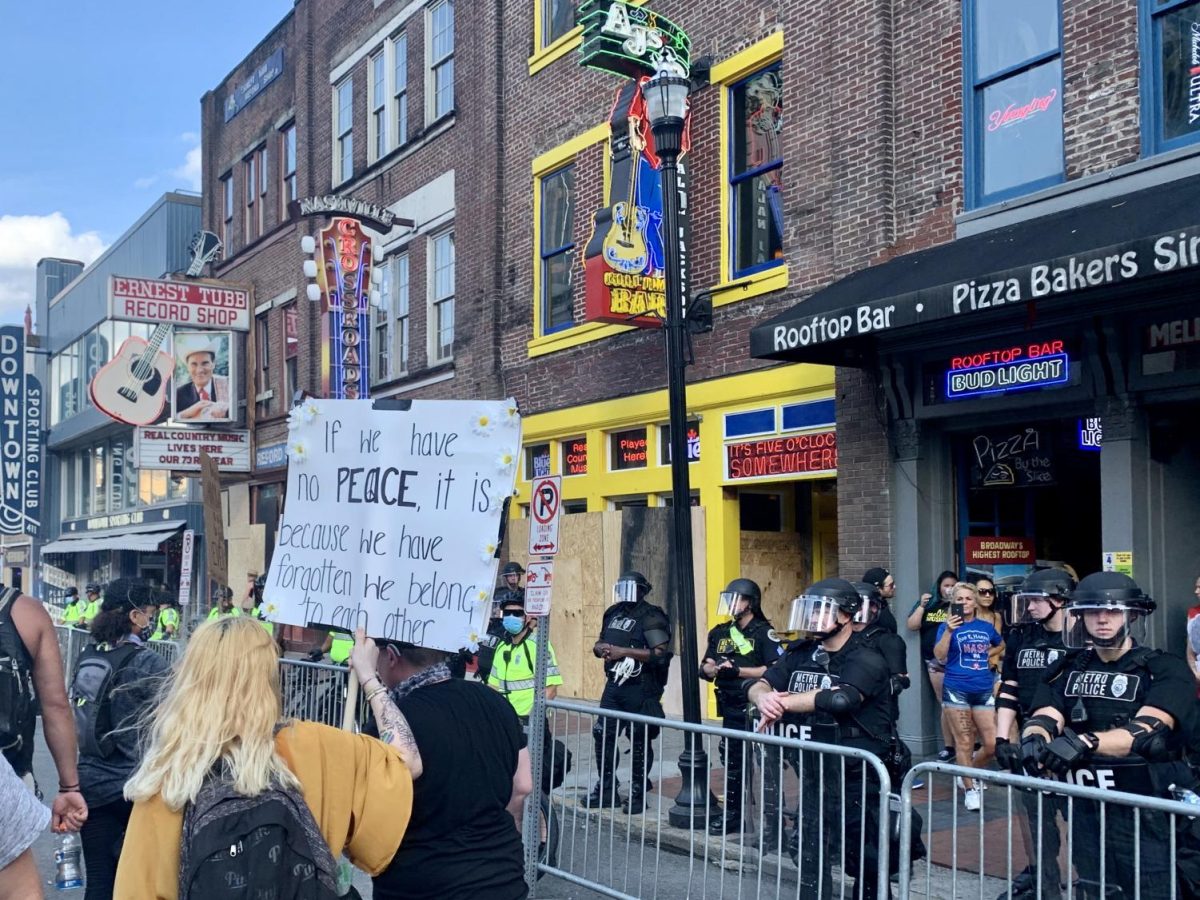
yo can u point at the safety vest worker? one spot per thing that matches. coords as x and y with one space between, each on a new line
166 626
514 667
340 647
73 608
91 608
256 612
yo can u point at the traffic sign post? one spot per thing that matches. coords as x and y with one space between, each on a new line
545 509
539 579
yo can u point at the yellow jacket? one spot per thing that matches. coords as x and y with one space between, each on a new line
359 791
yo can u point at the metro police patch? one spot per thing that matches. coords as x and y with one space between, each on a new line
1113 686
811 681
1037 658
622 624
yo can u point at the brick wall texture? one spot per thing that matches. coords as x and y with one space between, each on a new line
873 150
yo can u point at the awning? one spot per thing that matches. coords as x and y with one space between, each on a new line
132 538
1112 247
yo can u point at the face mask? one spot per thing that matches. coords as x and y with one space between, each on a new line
513 624
144 633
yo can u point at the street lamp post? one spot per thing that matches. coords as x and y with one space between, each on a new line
666 106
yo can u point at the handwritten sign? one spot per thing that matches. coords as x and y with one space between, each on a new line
393 518
1022 457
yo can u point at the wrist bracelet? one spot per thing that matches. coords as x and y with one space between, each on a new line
69 789
375 693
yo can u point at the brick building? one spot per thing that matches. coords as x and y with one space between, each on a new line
389 104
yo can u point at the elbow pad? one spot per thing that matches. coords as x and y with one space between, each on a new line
835 702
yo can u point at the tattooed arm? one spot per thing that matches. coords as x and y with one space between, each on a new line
394 729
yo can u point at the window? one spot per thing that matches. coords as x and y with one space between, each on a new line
399 305
343 158
756 171
291 352
557 250
262 189
287 168
400 87
262 383
227 213
1013 96
152 486
381 329
250 220
628 449
1170 74
440 82
378 136
537 461
558 17
441 278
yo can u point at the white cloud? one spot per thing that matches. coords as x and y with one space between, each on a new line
189 172
26 239
142 183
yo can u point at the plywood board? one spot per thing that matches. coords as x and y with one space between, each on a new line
781 564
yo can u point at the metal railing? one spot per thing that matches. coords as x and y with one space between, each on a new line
72 641
316 692
813 819
1041 838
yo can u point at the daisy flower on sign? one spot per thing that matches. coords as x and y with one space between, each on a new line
483 596
482 423
511 415
298 452
505 460
472 642
304 414
270 609
487 553
497 496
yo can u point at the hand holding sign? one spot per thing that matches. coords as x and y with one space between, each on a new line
392 518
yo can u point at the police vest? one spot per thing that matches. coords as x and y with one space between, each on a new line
215 613
738 646
71 612
625 625
339 650
256 612
90 611
1035 650
514 674
167 618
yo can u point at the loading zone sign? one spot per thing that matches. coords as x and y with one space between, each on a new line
545 507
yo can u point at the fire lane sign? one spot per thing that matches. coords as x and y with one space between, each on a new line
545 508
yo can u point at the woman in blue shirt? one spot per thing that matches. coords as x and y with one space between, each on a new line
964 644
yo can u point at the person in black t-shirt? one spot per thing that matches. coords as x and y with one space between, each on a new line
886 582
832 688
464 839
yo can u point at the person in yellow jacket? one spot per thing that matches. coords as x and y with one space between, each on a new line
337 644
166 624
225 605
91 607
514 668
73 607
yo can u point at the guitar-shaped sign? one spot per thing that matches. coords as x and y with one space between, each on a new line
625 244
132 387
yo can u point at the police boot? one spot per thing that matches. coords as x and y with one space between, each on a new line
727 822
603 796
636 804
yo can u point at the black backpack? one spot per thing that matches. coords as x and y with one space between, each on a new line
91 696
18 703
263 846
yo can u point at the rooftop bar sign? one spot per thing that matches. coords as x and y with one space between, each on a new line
997 371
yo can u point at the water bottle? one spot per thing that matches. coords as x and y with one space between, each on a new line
68 875
1185 795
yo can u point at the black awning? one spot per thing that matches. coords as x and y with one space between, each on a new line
971 282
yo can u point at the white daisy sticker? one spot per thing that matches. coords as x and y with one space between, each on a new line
482 423
505 460
298 451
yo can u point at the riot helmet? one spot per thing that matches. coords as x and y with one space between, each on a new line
92 588
814 614
511 574
872 602
739 589
630 588
72 594
1107 610
1041 595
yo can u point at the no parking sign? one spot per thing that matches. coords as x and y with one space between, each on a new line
545 507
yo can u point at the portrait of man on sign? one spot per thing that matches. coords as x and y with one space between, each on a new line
202 380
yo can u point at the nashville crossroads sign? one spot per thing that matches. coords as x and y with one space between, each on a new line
1115 265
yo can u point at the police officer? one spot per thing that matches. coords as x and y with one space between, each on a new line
510 575
1032 645
1116 715
634 643
72 608
495 631
886 582
738 649
256 605
91 608
514 668
226 607
166 623
831 687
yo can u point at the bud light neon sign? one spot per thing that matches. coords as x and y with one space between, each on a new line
1042 364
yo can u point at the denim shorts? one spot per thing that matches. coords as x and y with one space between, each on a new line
968 699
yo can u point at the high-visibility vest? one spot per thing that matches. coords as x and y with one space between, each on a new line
257 613
215 612
167 618
339 650
740 641
90 611
71 612
514 673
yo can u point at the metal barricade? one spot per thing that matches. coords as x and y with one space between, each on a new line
815 817
316 692
168 650
1042 839
71 642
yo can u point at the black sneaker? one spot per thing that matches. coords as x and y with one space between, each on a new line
945 754
636 804
728 823
602 797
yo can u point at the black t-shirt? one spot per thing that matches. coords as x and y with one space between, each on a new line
1029 650
936 613
461 841
804 668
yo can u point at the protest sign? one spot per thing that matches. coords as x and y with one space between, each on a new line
393 517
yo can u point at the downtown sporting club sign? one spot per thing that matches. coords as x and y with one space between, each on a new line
20 438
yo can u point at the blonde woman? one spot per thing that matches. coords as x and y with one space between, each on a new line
223 707
964 644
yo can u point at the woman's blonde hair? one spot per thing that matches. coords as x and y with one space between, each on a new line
223 703
968 587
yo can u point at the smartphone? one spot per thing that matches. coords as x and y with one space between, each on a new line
956 609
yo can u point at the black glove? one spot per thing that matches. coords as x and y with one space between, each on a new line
728 673
1032 747
1065 752
315 655
1008 755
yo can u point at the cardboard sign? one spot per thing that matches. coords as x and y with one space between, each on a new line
393 517
545 509
539 580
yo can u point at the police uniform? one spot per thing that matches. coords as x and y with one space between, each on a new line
256 612
639 626
215 612
487 648
71 612
1093 695
514 673
339 649
807 666
168 617
746 648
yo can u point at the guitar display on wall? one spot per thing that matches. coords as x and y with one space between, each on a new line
625 244
132 387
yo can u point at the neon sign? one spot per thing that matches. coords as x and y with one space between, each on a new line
1041 364
630 40
1090 433
344 275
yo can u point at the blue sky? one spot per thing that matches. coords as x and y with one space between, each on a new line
100 105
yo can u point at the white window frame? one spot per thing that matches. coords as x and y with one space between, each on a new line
432 65
343 138
400 312
261 155
227 194
378 137
381 330
398 90
433 331
250 192
287 177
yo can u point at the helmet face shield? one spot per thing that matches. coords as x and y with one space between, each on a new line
1103 626
867 613
625 591
813 617
1034 606
727 604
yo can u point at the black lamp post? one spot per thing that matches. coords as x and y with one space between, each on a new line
666 106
